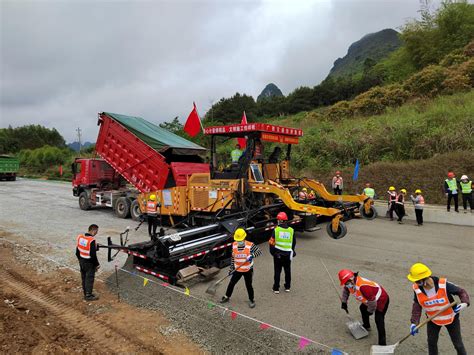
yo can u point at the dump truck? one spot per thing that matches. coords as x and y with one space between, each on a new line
210 203
9 167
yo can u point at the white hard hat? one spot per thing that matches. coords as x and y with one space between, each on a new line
464 177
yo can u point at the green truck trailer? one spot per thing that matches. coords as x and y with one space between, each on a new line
9 166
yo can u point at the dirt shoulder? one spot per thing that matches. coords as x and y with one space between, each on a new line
45 313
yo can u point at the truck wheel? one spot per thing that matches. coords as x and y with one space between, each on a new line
122 207
135 211
341 231
371 215
84 201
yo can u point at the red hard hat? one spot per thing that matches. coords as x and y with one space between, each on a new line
345 275
338 172
450 174
282 216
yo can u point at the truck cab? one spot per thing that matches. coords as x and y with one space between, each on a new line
94 173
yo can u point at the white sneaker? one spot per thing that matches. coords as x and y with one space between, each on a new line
276 292
287 290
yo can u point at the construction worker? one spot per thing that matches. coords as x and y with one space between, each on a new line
86 252
392 199
400 205
419 202
258 152
466 191
311 195
243 253
371 295
152 214
236 154
303 194
337 183
282 247
369 191
431 294
451 190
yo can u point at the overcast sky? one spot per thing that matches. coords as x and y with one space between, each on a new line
62 62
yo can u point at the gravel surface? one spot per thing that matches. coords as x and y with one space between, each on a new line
47 215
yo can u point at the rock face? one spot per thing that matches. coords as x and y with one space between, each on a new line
271 90
371 48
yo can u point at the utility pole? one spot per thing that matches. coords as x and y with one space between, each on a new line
79 131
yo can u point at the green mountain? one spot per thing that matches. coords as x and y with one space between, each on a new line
270 91
366 52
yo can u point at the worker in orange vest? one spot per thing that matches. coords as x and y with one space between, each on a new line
372 296
86 252
243 253
152 214
432 293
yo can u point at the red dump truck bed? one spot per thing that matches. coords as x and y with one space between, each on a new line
142 152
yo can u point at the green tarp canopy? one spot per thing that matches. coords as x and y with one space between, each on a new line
156 137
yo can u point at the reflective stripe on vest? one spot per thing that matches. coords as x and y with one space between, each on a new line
402 201
151 207
452 185
368 191
392 196
360 281
284 238
241 257
84 245
235 155
466 187
338 180
433 304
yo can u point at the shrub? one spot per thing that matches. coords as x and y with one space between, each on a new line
427 82
340 110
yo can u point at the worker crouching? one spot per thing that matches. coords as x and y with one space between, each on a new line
243 253
433 294
372 296
282 247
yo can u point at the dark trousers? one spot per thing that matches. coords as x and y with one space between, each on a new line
87 275
337 190
281 262
455 198
391 207
400 211
465 199
419 216
454 330
248 283
379 321
152 224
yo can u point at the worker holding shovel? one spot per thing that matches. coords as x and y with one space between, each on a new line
432 294
243 253
372 296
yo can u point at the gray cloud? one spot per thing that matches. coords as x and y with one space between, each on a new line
64 61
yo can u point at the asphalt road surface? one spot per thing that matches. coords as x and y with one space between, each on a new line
47 216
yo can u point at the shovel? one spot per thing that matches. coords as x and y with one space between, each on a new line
355 327
213 288
390 349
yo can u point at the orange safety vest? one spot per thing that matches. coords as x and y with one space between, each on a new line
241 257
360 281
84 245
431 305
151 207
422 200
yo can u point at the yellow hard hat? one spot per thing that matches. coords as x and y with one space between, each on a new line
404 191
418 191
305 189
152 197
312 192
239 234
391 188
418 272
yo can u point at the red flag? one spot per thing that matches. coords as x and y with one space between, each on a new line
193 123
242 141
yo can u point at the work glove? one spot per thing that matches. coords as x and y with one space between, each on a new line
250 258
413 329
459 307
344 306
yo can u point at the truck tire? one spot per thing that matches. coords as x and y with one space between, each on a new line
84 201
341 231
135 211
122 207
371 215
